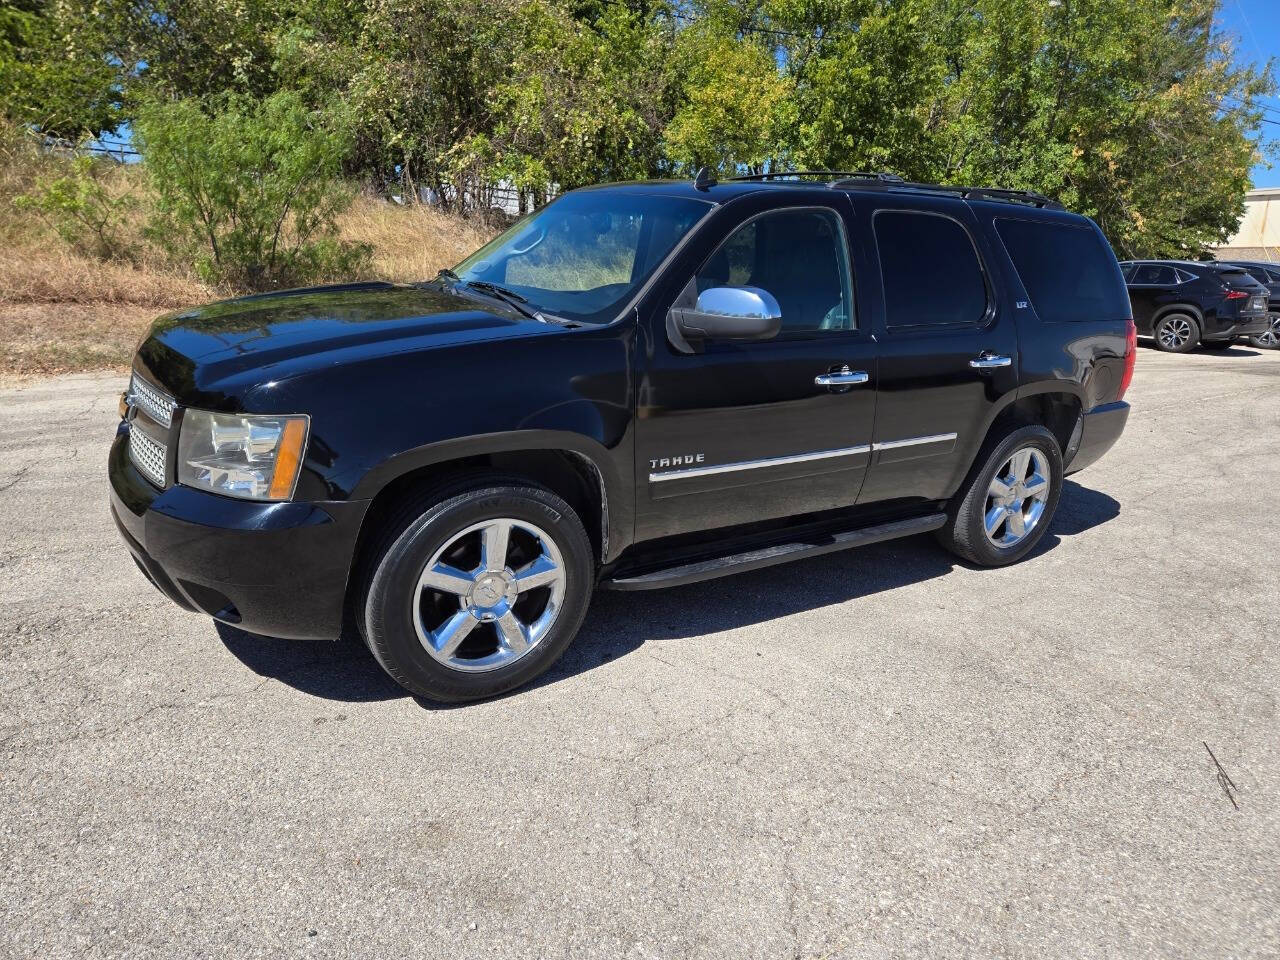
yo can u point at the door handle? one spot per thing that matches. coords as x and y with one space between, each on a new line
990 361
844 377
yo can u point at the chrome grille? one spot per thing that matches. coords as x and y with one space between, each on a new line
147 455
159 406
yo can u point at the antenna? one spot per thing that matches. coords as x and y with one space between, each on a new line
705 179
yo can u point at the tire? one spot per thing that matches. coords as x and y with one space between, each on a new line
965 533
412 617
1217 344
1270 340
1176 332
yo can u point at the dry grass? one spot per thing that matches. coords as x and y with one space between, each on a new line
61 312
410 243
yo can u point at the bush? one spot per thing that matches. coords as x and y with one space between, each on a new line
82 209
249 189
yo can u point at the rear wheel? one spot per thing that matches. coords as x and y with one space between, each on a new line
1008 501
1269 339
1177 332
477 591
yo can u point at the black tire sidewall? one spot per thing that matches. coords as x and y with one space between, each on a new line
967 526
388 605
1255 339
1189 345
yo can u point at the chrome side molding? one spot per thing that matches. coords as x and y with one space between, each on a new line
913 441
712 470
708 471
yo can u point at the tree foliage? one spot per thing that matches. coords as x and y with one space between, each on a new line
55 75
82 208
1137 112
250 188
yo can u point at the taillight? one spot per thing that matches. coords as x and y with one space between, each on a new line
1130 358
1237 295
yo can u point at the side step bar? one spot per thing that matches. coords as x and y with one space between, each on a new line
779 553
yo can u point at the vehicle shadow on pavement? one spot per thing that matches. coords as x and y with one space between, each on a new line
619 623
1235 350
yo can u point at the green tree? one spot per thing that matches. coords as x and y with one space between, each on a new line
250 188
864 73
1133 112
735 105
82 207
53 76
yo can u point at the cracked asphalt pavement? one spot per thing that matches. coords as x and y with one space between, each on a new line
882 753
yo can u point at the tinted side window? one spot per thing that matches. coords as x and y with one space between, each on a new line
930 270
1068 271
799 256
1154 273
1258 274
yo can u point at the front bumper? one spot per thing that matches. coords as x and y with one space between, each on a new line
278 569
1100 428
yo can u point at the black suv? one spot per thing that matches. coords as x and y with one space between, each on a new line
637 386
1267 274
1185 303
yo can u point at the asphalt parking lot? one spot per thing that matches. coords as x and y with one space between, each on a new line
882 753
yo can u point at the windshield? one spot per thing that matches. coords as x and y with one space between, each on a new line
585 254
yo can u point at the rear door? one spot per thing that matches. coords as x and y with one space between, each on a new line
948 344
746 432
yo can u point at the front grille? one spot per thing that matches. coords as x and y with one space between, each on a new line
147 455
159 406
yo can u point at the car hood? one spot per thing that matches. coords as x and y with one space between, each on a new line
238 343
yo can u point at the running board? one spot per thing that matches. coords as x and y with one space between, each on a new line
779 553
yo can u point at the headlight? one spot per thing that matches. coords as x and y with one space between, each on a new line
251 457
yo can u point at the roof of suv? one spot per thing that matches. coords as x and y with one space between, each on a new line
711 190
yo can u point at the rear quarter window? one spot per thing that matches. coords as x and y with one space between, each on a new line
1068 271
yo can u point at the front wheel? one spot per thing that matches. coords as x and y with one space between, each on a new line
1008 501
477 590
1177 333
1269 339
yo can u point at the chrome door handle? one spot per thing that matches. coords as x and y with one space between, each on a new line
844 377
990 361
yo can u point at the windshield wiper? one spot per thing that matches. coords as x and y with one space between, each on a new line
484 286
516 301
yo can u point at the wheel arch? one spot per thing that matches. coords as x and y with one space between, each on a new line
1189 308
1058 406
572 466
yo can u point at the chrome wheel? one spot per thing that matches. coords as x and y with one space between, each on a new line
1175 333
489 595
1016 497
1269 338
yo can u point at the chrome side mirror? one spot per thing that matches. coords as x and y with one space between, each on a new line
730 313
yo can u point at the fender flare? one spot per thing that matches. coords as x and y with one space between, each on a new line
615 504
1163 312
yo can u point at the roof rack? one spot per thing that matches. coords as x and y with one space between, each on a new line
880 180
824 174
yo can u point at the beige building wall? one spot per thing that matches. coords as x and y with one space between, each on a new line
1259 235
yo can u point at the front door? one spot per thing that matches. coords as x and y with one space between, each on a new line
948 345
746 432
1149 286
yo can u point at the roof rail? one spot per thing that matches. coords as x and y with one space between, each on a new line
826 174
880 180
1017 196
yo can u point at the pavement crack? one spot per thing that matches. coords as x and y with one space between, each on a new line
1224 779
